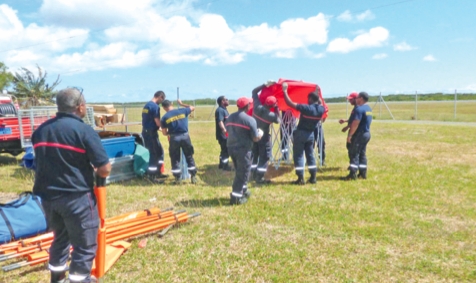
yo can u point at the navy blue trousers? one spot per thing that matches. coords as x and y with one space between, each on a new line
224 156
74 220
303 143
357 152
181 142
261 154
241 157
156 151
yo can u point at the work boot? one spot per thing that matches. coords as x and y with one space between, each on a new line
226 167
238 200
247 193
194 179
160 175
58 277
362 174
312 179
262 180
299 181
351 176
178 180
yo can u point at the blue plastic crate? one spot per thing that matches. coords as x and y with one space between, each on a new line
119 146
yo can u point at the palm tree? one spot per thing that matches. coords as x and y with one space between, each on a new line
5 77
32 90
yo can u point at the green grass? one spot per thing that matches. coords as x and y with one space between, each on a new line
413 220
426 111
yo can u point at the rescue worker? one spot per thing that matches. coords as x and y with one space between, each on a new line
264 118
150 126
242 132
359 137
175 125
221 114
351 98
67 153
303 136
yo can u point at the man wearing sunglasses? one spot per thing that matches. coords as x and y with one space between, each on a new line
221 114
67 152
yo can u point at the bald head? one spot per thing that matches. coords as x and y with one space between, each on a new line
69 99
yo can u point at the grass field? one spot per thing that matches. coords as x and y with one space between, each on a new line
426 111
413 220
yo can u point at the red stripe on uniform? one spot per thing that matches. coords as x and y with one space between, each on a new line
59 145
311 117
256 116
238 125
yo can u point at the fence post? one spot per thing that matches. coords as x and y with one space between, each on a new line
456 98
416 105
380 105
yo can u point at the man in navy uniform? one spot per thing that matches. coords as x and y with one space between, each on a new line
150 126
359 137
303 136
351 98
175 125
68 152
221 114
264 118
242 132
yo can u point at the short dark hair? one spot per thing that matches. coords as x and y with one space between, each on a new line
166 103
313 96
220 99
159 94
364 95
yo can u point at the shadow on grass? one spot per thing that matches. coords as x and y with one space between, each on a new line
329 169
214 177
23 173
212 202
272 172
7 159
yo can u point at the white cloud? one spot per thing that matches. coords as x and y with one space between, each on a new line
429 58
380 56
92 13
375 37
81 35
365 16
403 46
347 16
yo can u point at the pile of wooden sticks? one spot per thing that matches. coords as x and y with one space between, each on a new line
34 250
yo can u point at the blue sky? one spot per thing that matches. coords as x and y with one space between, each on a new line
123 51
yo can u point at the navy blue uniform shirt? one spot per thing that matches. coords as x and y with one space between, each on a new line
363 113
150 111
241 130
221 114
310 116
263 116
176 120
351 117
65 148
